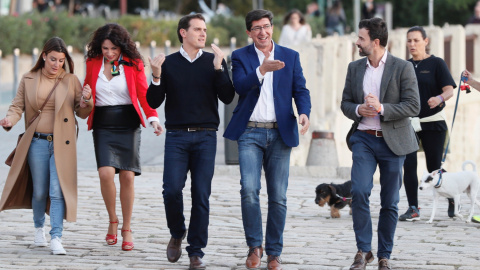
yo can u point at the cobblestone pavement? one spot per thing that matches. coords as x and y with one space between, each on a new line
312 240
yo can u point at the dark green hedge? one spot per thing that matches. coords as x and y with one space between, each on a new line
33 30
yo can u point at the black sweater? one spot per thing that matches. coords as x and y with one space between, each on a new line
192 91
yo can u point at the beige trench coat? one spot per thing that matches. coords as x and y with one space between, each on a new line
17 192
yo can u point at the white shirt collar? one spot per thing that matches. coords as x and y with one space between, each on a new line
382 61
261 53
185 54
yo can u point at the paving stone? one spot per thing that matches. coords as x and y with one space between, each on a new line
312 240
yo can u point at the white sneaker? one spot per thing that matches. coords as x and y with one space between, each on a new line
56 247
40 240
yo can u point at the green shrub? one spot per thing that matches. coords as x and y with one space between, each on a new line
34 29
147 30
23 32
318 25
235 27
86 29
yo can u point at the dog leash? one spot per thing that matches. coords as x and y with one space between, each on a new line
439 182
460 86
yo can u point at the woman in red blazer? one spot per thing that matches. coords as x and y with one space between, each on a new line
115 73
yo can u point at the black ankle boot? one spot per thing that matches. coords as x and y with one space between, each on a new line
451 207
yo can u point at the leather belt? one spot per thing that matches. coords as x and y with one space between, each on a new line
377 133
262 124
43 136
193 129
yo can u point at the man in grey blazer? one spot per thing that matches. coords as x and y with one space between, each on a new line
380 95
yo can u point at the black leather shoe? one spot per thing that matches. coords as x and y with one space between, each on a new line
196 263
384 264
361 260
174 248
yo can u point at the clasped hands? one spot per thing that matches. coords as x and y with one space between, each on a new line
370 107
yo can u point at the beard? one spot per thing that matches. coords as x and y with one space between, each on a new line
363 52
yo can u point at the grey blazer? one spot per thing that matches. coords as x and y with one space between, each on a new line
399 96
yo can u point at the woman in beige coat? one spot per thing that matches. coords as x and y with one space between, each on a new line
43 175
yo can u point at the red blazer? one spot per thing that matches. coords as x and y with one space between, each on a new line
136 83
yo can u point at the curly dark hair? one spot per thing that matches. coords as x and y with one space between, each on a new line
119 36
58 45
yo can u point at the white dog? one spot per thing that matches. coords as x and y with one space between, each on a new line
452 185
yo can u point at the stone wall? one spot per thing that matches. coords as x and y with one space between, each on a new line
329 58
325 62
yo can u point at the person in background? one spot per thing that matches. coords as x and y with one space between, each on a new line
115 72
369 9
48 146
41 5
435 84
380 96
475 84
190 81
295 30
476 14
470 80
267 78
313 9
336 20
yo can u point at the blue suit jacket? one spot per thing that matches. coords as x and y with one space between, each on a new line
288 83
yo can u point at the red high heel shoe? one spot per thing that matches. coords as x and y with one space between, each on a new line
111 237
127 244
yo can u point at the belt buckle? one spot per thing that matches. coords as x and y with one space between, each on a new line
191 129
377 132
49 138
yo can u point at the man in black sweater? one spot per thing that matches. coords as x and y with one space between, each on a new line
190 81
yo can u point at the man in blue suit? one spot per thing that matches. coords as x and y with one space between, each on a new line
266 77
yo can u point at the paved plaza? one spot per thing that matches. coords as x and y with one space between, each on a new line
312 240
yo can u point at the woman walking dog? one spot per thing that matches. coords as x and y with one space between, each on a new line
435 84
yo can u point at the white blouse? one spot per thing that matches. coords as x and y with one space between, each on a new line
113 92
291 37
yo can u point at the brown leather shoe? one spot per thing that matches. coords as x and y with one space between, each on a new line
196 263
274 263
384 264
174 248
361 260
253 257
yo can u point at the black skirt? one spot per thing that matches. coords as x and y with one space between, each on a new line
116 137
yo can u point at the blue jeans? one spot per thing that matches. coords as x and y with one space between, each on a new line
41 161
195 152
257 147
368 151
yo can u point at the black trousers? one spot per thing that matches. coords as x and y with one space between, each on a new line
432 142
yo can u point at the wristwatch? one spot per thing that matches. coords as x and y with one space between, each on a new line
86 100
219 70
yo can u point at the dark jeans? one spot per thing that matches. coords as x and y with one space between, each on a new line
195 152
432 143
368 151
